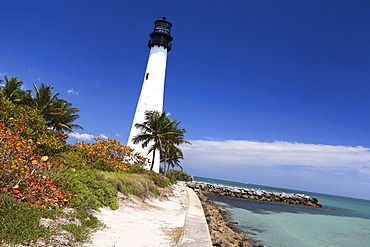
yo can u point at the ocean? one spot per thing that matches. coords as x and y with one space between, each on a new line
280 225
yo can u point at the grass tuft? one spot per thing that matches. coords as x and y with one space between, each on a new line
139 185
174 234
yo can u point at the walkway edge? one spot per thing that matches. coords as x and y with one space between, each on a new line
196 231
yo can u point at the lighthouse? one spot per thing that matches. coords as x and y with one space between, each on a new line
152 91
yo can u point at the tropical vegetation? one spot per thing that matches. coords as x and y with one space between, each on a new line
12 89
162 135
41 175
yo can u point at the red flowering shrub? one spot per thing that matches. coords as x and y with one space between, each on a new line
25 171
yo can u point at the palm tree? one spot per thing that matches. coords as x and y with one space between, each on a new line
171 157
160 131
58 113
12 90
44 99
63 116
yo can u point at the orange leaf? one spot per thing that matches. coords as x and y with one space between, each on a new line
44 158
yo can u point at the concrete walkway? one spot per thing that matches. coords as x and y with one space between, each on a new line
196 231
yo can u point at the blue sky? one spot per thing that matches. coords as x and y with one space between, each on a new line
271 92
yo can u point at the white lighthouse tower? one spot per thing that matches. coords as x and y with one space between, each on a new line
152 91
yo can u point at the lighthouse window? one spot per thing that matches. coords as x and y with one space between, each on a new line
146 76
162 29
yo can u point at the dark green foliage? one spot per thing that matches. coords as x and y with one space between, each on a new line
159 179
90 192
79 232
102 165
180 175
172 178
87 219
20 222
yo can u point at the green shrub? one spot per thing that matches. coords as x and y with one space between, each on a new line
74 159
172 178
20 222
103 165
90 192
79 232
159 179
86 219
180 175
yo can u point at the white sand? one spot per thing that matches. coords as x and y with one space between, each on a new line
141 224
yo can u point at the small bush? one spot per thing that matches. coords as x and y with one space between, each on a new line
90 192
79 233
172 178
159 179
86 219
103 165
180 175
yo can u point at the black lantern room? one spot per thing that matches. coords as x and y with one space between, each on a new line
161 34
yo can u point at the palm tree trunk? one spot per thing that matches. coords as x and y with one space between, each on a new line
164 166
165 169
151 167
168 168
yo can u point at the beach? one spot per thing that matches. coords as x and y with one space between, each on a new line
178 217
152 222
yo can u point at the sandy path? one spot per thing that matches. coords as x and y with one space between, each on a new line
138 224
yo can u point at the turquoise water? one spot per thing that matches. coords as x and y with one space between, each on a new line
280 225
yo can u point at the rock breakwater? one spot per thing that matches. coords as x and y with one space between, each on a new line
257 195
221 230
